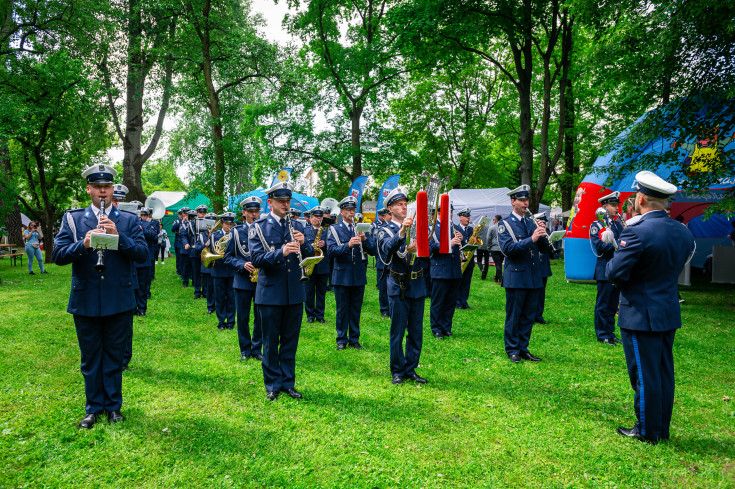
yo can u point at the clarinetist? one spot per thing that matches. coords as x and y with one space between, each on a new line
102 303
279 295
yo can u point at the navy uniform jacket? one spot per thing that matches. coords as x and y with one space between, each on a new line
374 233
194 237
393 250
149 234
220 268
237 254
110 292
522 258
444 265
646 267
179 227
322 268
349 268
545 263
150 231
604 251
278 276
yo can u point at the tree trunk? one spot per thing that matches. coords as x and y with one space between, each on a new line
570 168
355 116
13 223
216 113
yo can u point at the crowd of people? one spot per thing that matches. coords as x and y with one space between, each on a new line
265 265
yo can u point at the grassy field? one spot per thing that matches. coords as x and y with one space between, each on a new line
198 417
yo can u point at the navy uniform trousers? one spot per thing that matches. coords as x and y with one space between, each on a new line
349 305
224 301
521 306
650 363
316 290
102 342
282 326
464 288
128 354
444 297
249 345
208 287
606 306
144 288
196 274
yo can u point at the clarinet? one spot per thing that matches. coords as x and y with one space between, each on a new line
530 215
304 277
100 266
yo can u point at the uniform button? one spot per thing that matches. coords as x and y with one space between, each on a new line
102 277
288 269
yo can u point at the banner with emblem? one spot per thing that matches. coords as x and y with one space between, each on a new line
282 176
357 188
390 183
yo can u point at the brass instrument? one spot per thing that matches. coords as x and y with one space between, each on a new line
318 251
100 266
474 240
254 276
208 257
304 275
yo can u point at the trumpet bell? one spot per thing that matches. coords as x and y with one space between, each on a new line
208 258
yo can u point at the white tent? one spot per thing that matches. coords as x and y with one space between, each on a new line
482 202
485 202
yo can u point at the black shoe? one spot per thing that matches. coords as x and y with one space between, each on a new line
197 297
634 433
115 416
257 356
397 379
514 358
341 346
541 321
210 312
244 357
126 367
271 395
31 273
293 393
527 356
88 421
320 320
608 341
617 340
220 327
141 313
438 336
417 378
185 285
386 315
309 320
467 306
356 345
449 334
229 326
44 272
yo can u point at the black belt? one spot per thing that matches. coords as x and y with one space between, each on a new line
400 277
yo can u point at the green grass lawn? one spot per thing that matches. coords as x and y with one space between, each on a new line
198 417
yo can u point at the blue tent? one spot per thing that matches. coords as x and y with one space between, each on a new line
298 201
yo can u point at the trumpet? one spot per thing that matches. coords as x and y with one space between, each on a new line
100 266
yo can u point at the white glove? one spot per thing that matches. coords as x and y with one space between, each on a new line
607 236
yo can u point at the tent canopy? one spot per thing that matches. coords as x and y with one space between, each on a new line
168 198
191 201
485 202
298 201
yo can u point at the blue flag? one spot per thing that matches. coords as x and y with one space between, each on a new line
390 183
282 176
357 188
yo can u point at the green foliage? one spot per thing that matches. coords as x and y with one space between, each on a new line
197 417
161 175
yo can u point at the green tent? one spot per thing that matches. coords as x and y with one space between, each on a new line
191 201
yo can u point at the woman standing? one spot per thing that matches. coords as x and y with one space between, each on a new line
31 238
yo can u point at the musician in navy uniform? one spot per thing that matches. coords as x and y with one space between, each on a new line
143 270
316 286
119 194
237 256
446 275
382 270
608 296
275 243
195 229
349 249
405 289
183 239
206 273
223 275
153 247
175 228
545 274
650 256
102 308
521 241
466 229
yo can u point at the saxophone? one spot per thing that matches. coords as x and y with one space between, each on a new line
474 240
